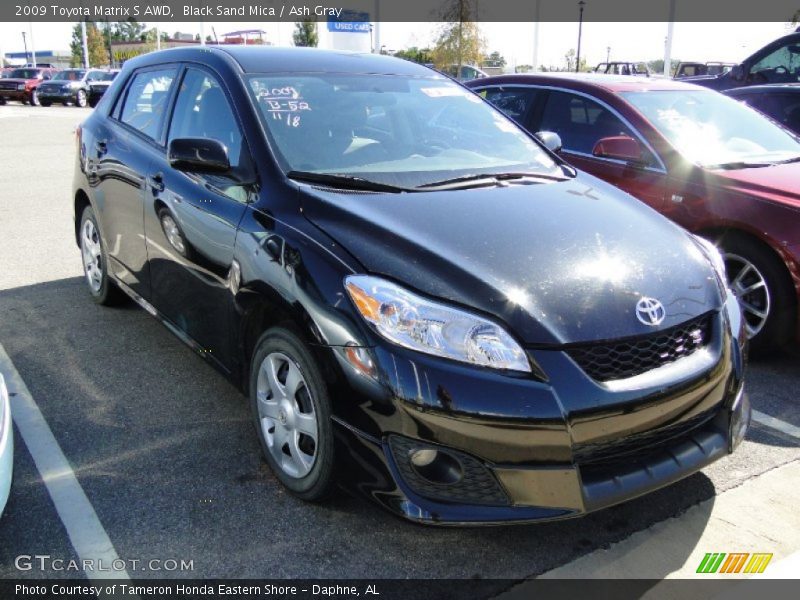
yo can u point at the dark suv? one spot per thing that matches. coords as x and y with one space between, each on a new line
22 85
70 86
777 62
422 302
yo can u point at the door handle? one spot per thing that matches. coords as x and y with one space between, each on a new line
157 183
101 146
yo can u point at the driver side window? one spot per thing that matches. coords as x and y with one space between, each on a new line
202 110
779 66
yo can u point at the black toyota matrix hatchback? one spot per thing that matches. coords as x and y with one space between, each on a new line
422 302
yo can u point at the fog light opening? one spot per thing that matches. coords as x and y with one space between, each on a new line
435 466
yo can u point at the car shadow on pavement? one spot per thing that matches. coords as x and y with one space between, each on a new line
164 448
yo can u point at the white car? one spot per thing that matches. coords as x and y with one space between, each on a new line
6 445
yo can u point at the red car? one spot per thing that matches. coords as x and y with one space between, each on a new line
21 84
713 165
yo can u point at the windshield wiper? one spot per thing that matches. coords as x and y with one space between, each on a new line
349 182
486 179
739 164
788 160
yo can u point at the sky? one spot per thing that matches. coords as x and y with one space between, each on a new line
729 42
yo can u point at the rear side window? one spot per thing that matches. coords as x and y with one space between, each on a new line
514 102
146 101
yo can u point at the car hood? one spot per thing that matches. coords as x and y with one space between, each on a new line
559 263
778 183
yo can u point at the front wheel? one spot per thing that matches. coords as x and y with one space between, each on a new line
95 264
80 99
764 290
45 103
35 98
292 415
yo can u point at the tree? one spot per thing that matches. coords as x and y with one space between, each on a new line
422 56
305 33
524 69
150 36
657 65
495 59
98 54
569 57
128 31
460 41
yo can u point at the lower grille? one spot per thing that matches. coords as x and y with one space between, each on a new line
630 357
638 446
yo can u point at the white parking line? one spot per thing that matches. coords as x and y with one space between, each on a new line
774 423
86 533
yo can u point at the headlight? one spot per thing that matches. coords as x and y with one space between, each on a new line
409 320
21 87
715 258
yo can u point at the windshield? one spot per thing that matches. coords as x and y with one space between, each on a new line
395 130
24 74
713 130
69 76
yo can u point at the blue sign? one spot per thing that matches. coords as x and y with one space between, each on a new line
350 21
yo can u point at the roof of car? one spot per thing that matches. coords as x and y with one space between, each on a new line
271 59
611 83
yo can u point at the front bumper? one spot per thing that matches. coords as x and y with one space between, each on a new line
18 95
60 96
6 445
514 449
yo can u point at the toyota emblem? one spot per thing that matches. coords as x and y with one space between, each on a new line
650 311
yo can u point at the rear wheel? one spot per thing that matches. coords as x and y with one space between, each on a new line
80 99
95 263
292 415
761 283
35 98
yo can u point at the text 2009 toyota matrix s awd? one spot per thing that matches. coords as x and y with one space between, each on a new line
422 302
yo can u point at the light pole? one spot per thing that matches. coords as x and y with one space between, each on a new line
25 43
581 4
608 54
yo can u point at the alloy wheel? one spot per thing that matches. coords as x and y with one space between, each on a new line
92 256
750 287
287 415
174 236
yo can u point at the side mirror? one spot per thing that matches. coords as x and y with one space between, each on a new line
198 155
618 147
550 139
737 72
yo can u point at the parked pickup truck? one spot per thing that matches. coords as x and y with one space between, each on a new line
22 84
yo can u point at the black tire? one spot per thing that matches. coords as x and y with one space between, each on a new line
779 326
45 103
107 294
80 99
93 101
2 101
319 483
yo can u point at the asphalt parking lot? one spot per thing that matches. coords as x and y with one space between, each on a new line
164 450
